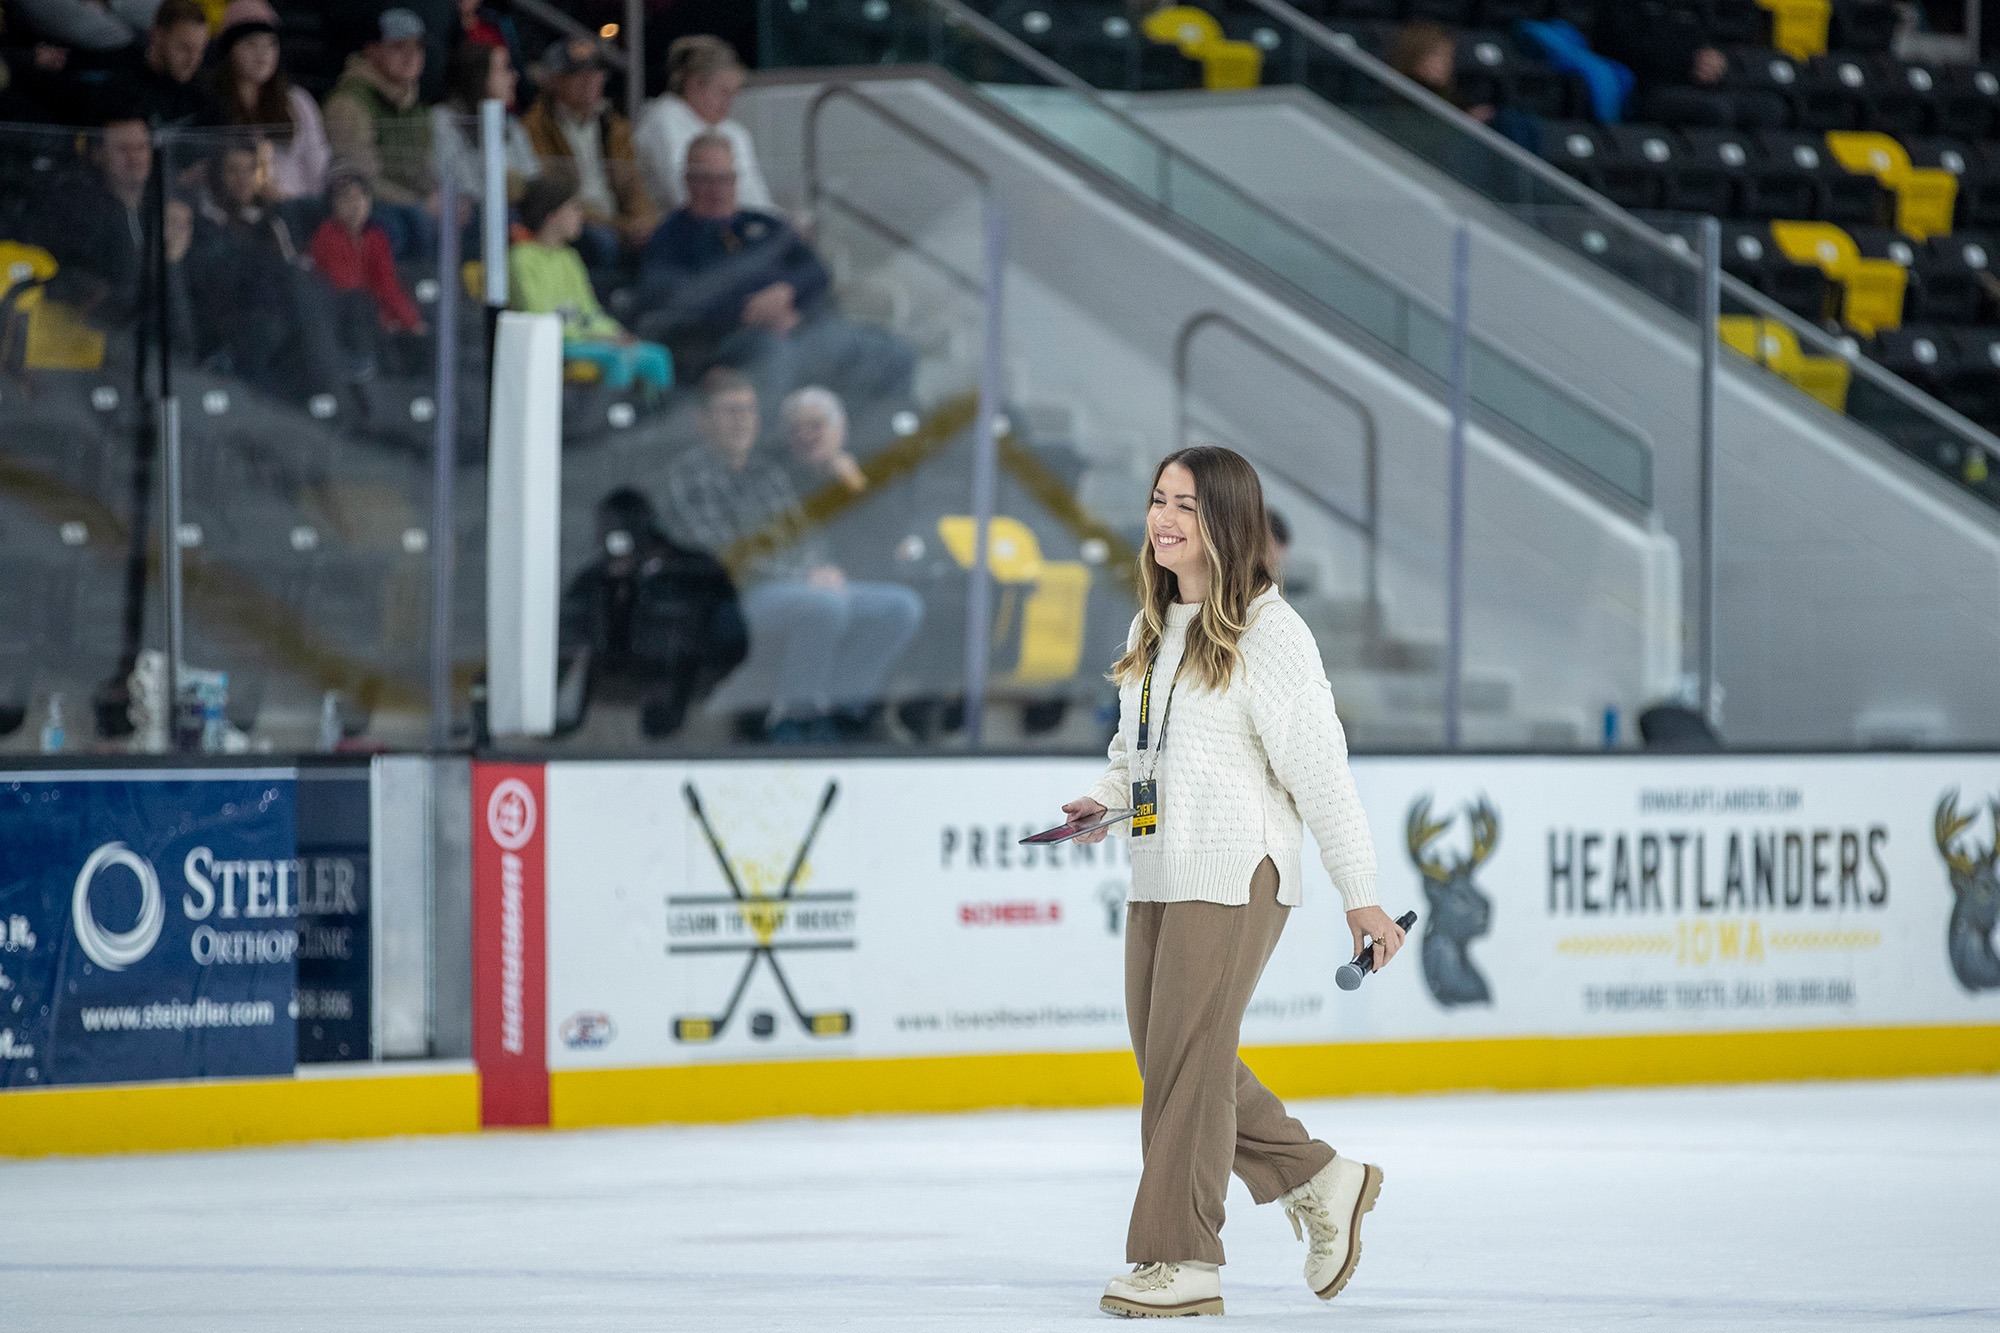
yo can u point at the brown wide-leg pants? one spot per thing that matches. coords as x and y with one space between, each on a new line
1190 969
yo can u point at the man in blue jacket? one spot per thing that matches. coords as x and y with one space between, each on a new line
721 285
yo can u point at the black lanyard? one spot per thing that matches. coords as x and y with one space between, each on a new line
1146 706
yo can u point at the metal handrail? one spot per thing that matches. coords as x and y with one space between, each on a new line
986 447
958 12
1347 51
816 189
1368 525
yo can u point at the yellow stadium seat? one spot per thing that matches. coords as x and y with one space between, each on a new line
1739 333
57 337
1225 64
1048 598
1052 624
1925 196
1798 27
1824 377
1873 288
1012 552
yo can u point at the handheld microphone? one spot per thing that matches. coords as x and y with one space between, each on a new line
1349 975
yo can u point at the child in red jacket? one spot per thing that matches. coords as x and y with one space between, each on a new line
353 256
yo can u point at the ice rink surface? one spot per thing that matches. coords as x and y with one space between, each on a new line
1807 1206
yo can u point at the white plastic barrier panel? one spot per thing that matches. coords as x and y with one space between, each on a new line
523 526
735 912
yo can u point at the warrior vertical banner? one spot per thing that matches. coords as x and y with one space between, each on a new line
509 958
147 925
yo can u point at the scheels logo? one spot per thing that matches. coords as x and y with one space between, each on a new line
266 892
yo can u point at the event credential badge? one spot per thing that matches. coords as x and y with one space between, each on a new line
1145 808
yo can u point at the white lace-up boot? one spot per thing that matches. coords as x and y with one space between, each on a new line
1326 1213
1164 1291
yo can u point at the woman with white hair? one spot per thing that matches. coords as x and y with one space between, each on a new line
704 76
816 429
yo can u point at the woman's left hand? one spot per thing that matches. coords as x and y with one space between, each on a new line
1375 923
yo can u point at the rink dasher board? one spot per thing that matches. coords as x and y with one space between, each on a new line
1607 896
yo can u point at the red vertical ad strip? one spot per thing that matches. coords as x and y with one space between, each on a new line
509 951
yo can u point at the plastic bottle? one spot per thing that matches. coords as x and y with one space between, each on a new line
52 727
329 722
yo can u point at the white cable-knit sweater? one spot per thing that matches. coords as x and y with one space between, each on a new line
1241 768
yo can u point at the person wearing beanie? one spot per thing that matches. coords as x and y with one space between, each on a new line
249 84
352 254
547 276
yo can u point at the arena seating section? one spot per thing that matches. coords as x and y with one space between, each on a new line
1858 190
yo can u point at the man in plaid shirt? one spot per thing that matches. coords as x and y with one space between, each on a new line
821 648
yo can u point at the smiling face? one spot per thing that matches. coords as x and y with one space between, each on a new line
1173 525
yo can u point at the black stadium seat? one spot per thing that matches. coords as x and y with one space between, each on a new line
1684 183
1763 70
1943 281
1903 99
1835 92
1968 102
1762 186
1750 253
1839 196
1861 25
1492 68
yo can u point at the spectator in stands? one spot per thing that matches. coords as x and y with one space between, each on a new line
378 130
98 226
703 78
816 433
546 276
1681 76
376 316
250 87
570 120
160 84
480 71
725 285
649 619
30 78
1280 544
1427 53
481 25
87 25
256 304
821 648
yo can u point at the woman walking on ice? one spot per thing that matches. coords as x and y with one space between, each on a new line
1227 740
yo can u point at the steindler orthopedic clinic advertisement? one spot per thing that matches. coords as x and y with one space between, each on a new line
148 925
736 911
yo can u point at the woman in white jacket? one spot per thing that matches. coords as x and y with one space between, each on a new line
704 76
1227 743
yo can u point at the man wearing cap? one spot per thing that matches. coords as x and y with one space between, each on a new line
378 129
572 120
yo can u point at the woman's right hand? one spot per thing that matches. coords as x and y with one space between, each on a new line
1081 811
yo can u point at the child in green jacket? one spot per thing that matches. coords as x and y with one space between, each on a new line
546 276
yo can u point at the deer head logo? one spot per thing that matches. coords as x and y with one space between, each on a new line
1459 913
1975 887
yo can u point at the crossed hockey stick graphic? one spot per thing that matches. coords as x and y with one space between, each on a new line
763 915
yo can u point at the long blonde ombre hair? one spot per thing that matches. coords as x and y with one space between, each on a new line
1235 539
